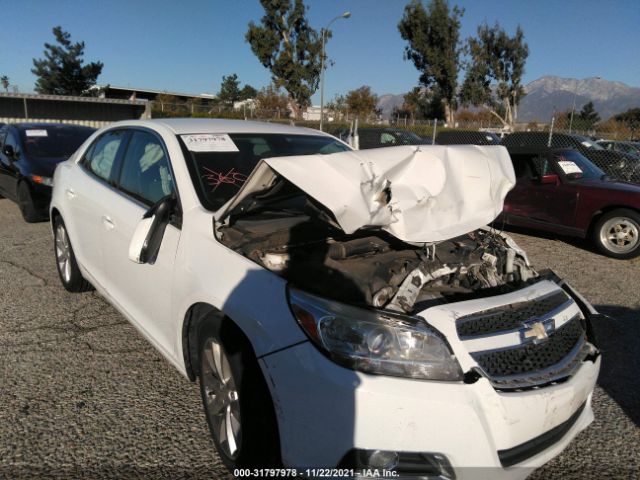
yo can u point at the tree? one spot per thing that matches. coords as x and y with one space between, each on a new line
272 103
420 104
229 89
166 104
433 47
62 72
286 45
588 116
494 72
339 107
631 118
4 80
362 102
248 92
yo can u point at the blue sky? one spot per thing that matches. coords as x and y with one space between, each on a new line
188 46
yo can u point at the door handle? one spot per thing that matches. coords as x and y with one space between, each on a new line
108 223
70 193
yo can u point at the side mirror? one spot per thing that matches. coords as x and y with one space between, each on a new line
147 237
9 151
551 179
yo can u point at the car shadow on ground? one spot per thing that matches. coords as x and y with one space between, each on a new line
618 339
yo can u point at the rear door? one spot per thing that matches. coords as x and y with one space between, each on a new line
141 290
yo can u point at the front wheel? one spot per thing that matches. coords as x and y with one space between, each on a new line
236 399
617 234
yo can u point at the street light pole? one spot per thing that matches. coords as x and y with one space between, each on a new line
324 30
573 108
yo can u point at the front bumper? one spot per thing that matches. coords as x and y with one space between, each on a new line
41 196
324 411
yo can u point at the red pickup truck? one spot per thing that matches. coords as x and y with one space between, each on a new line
559 190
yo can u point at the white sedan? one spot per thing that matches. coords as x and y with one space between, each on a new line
341 309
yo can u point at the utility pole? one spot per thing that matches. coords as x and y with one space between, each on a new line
322 66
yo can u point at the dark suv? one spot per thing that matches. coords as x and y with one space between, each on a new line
467 137
559 190
384 137
29 153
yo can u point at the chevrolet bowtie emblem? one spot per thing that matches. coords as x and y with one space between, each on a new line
537 330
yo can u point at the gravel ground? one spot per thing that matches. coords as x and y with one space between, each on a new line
83 395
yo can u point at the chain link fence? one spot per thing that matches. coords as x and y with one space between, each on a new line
611 146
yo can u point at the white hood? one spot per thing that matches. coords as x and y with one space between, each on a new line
436 192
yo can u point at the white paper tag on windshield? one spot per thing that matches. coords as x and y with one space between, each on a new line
209 142
569 167
36 133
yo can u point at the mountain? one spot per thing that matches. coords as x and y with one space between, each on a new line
388 102
550 94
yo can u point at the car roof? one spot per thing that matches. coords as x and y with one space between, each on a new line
537 149
34 125
182 126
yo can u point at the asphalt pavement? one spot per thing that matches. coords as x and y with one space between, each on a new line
83 395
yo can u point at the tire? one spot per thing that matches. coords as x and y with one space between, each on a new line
245 406
27 207
616 234
70 275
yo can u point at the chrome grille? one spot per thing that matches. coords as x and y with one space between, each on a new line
532 357
508 317
527 344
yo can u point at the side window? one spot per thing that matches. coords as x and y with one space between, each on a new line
101 156
387 138
3 134
145 170
541 166
522 166
12 140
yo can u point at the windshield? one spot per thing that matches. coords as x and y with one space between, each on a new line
55 141
218 175
575 166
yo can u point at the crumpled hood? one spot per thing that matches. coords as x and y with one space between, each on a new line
416 193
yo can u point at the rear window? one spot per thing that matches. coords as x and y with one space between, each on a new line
219 175
53 141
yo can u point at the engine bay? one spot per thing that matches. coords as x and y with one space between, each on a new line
301 242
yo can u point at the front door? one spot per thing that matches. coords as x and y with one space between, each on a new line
141 290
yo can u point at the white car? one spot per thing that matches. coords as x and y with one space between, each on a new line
341 309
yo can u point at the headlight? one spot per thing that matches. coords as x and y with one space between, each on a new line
374 341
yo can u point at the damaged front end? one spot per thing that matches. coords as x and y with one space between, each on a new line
375 269
380 293
397 228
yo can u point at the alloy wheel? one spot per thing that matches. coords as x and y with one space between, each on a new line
222 402
620 234
63 253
